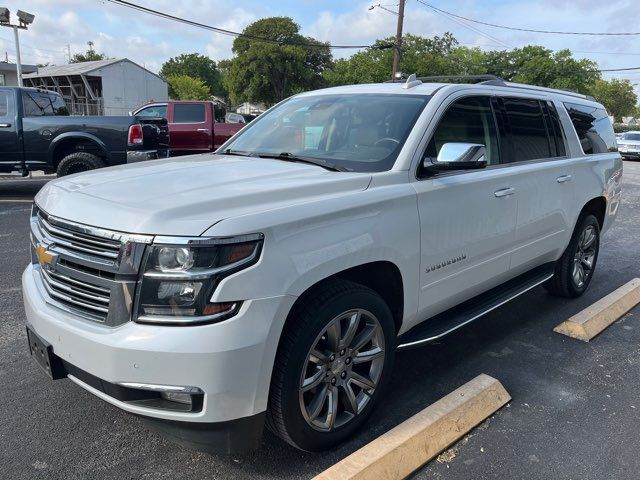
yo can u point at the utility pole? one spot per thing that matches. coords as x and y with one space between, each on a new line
24 19
398 49
69 52
18 61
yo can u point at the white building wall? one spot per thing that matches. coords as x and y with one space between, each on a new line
126 85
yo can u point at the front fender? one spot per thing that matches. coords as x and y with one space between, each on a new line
307 243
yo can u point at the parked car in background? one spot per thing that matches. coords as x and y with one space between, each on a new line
194 127
37 133
629 145
234 117
271 283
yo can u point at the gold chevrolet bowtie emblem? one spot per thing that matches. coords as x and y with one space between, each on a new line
44 257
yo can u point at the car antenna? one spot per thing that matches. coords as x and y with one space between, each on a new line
411 82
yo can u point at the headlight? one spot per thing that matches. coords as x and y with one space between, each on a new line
179 277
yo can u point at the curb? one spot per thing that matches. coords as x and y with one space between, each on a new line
594 319
408 446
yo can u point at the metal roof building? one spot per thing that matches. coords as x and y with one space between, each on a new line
9 75
104 87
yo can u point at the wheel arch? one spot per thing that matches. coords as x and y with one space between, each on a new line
597 207
383 277
72 142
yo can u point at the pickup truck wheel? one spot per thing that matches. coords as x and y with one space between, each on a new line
333 365
574 270
79 162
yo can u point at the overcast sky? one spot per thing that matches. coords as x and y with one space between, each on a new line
149 40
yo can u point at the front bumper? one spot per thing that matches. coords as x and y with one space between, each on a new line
230 361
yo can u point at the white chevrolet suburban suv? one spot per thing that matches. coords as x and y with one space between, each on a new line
272 282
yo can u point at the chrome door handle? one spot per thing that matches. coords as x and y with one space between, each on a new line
203 130
504 192
563 178
5 125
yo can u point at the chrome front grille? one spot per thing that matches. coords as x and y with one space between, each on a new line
80 242
90 298
84 270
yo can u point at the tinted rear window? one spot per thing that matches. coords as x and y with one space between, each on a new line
39 104
188 113
593 127
529 139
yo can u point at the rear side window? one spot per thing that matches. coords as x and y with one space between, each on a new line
40 104
188 113
59 107
528 133
593 127
555 130
4 104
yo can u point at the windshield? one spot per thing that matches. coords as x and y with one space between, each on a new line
358 132
631 136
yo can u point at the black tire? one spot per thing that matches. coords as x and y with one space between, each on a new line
563 283
285 415
79 162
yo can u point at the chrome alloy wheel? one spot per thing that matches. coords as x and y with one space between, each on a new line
584 256
342 370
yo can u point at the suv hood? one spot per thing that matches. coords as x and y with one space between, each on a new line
187 195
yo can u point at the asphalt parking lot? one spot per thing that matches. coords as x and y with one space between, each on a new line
575 412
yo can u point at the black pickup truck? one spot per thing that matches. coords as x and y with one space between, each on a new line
37 133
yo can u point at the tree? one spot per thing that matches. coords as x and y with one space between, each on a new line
196 66
89 56
617 96
185 87
420 55
269 72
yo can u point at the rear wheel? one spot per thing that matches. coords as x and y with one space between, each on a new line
78 162
332 366
574 270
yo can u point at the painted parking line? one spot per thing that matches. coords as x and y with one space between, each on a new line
594 319
15 200
405 448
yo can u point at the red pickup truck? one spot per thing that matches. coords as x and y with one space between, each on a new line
194 127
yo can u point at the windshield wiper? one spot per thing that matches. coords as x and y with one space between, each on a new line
238 153
289 157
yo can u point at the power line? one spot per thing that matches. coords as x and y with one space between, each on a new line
518 29
231 33
452 17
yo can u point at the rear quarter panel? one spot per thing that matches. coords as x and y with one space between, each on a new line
42 134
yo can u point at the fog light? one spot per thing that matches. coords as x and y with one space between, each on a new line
178 397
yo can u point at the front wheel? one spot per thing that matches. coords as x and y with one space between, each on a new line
574 270
332 366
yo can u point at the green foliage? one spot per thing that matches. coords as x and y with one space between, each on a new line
185 87
425 56
618 96
90 56
443 56
269 72
197 66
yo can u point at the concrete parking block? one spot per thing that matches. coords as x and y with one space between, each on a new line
594 319
407 447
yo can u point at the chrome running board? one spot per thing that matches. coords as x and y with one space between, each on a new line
451 320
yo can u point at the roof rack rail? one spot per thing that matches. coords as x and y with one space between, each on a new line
478 78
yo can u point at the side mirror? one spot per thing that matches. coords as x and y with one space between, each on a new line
458 156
